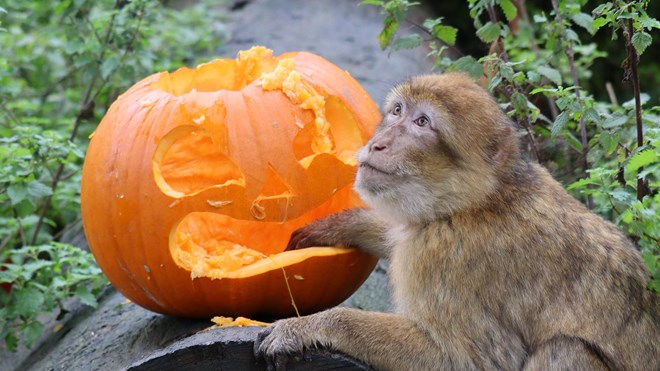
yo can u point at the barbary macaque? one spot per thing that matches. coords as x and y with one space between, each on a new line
493 265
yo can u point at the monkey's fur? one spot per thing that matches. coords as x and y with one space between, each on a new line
493 265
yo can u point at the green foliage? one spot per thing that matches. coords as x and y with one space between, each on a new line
39 279
539 67
61 66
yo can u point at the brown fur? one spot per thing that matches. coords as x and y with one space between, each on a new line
493 265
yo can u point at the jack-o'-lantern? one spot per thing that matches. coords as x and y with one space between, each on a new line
194 181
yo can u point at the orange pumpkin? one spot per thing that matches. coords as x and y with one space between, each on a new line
194 181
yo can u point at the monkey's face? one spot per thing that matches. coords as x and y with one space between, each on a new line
430 154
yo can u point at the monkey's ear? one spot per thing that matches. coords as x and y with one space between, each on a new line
504 145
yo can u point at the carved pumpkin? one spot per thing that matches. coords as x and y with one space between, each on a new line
194 181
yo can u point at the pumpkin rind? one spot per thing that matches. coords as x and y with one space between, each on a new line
211 142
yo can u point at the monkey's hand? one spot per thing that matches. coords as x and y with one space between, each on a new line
283 340
385 341
314 234
357 228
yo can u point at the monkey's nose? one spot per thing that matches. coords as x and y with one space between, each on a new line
375 147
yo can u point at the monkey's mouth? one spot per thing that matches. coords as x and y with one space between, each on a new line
364 165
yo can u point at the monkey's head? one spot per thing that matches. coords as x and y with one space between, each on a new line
440 149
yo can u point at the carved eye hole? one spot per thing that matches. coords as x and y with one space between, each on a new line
396 111
422 121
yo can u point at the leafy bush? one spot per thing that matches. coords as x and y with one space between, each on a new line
61 65
540 66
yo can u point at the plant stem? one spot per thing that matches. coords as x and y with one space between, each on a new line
633 61
583 125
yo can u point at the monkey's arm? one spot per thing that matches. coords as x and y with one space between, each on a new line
385 341
358 228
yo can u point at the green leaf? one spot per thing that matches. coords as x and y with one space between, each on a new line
372 2
630 104
584 20
17 192
407 42
446 33
494 83
560 122
641 159
648 22
469 65
489 32
506 71
540 18
551 73
28 301
109 66
11 341
580 184
641 40
621 195
533 76
37 190
510 10
614 121
519 102
389 29
32 331
82 292
592 115
608 141
598 23
573 141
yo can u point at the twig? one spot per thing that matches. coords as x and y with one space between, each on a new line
611 94
583 125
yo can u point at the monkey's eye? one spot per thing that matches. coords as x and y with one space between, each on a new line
421 121
396 111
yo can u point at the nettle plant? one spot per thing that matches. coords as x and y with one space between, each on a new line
539 63
61 66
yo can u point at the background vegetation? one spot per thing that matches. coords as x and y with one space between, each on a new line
580 80
62 64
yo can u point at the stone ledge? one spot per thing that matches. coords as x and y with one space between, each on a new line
231 349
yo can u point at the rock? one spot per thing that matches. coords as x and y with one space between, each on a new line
231 349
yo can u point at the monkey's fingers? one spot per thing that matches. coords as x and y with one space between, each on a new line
274 362
301 238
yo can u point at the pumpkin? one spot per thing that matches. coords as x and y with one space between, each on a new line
194 180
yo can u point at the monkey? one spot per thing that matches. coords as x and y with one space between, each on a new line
493 265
